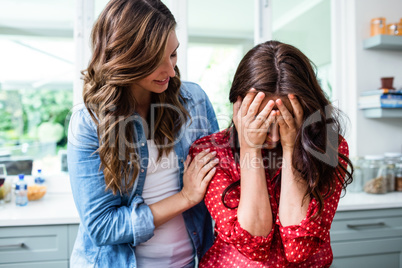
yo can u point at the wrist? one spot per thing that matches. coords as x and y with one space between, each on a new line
287 150
187 202
250 150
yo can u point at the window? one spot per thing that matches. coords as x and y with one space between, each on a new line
217 40
306 25
39 64
36 81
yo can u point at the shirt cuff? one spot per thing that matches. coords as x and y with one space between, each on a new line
308 227
142 221
254 247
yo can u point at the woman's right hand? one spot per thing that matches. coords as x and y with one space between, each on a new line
197 175
252 126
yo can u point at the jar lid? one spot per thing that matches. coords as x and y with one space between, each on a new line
374 157
392 154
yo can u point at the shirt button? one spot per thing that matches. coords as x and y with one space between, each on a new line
182 160
142 170
142 144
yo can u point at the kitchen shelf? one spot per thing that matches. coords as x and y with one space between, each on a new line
383 113
382 41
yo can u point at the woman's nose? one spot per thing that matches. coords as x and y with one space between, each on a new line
169 67
274 133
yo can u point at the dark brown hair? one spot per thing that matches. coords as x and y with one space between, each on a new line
279 69
128 41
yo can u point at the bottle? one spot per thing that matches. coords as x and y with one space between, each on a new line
21 191
39 178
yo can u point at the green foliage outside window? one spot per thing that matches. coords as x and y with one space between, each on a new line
30 116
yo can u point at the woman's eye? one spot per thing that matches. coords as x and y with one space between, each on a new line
173 55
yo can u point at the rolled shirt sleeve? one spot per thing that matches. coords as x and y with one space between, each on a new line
227 226
303 240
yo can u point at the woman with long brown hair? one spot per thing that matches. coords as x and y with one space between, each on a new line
283 165
139 197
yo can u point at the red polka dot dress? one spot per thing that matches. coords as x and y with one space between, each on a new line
304 245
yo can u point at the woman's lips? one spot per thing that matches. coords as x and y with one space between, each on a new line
272 144
162 82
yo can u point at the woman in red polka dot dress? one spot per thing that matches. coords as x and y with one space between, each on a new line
282 166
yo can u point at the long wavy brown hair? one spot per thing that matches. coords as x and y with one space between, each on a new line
279 69
128 42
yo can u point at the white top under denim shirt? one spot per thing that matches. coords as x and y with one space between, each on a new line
171 246
113 225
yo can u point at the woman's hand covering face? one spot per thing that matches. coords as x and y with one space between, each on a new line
253 121
289 125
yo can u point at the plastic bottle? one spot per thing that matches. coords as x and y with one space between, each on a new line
39 178
21 191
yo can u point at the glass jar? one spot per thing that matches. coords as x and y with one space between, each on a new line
357 184
387 175
398 176
373 174
391 161
378 26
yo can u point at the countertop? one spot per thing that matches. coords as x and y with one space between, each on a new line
53 208
59 208
363 201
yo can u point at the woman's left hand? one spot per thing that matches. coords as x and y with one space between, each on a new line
289 125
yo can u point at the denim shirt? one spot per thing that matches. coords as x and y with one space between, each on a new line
112 225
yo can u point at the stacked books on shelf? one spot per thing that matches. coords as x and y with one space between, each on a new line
380 98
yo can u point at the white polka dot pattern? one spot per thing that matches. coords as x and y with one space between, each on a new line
304 245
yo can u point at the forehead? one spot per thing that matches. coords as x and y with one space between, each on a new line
172 42
284 99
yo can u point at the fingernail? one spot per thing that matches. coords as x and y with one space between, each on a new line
279 101
207 150
216 160
291 96
213 153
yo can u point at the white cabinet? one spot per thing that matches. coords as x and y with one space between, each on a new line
37 246
367 238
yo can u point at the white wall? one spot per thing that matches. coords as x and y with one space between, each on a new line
357 70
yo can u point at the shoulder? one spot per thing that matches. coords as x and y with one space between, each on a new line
82 128
81 116
218 141
343 147
191 90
